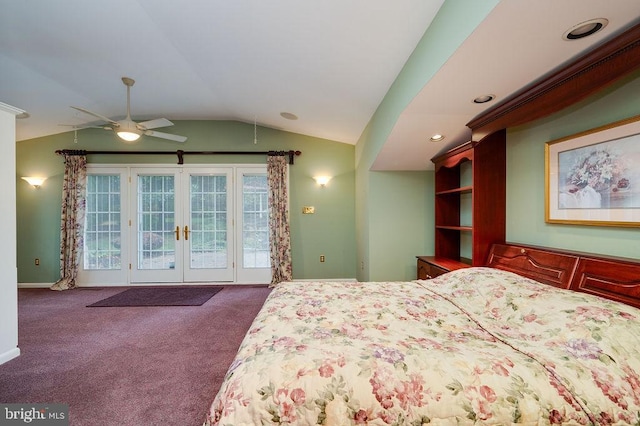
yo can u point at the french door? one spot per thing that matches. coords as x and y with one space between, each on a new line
181 229
176 225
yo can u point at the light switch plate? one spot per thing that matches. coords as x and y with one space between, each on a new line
308 210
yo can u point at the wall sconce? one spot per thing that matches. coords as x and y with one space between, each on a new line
322 180
34 181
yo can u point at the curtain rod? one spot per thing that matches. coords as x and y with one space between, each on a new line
181 153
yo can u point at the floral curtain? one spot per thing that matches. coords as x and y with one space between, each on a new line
279 238
72 224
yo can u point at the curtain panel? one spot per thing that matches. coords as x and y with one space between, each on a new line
72 223
279 238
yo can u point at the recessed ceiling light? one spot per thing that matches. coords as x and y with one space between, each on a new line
436 138
288 116
585 29
483 99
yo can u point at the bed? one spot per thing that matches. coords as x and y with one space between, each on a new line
529 339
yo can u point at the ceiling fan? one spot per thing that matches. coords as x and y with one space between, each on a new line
128 130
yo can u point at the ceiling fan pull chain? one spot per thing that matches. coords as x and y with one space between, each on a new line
255 131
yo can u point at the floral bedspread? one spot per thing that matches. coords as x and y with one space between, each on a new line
475 346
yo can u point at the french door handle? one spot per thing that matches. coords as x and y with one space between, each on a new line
186 233
177 232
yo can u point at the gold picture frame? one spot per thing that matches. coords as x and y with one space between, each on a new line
593 177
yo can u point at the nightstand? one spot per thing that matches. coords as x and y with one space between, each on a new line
432 266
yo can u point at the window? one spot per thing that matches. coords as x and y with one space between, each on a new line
208 212
255 224
102 237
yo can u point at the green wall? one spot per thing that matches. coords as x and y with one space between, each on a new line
381 253
330 231
525 175
404 217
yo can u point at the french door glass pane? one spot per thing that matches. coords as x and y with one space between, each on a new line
255 222
208 234
102 233
156 222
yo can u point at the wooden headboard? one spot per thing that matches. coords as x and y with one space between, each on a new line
613 278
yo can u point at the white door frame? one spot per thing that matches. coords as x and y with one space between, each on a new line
246 275
128 226
163 270
193 272
120 276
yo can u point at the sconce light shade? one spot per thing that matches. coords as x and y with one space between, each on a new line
322 180
34 181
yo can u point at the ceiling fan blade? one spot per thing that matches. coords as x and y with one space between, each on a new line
154 124
176 138
101 117
81 127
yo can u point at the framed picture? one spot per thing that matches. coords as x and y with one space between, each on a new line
593 178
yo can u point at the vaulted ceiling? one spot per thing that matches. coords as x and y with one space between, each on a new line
330 63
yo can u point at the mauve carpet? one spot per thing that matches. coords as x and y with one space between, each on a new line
159 296
126 366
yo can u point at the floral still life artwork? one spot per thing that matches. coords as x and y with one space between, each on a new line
593 178
599 176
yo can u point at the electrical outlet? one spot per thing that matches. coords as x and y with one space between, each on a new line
322 258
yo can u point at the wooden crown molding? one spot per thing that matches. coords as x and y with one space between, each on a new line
587 75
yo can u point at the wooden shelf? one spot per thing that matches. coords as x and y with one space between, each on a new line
455 228
484 163
461 190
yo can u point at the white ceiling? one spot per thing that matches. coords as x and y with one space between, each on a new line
518 42
330 62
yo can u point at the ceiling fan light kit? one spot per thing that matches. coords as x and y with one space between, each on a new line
130 131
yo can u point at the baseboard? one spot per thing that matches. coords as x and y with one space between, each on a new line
9 355
48 285
34 285
221 283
